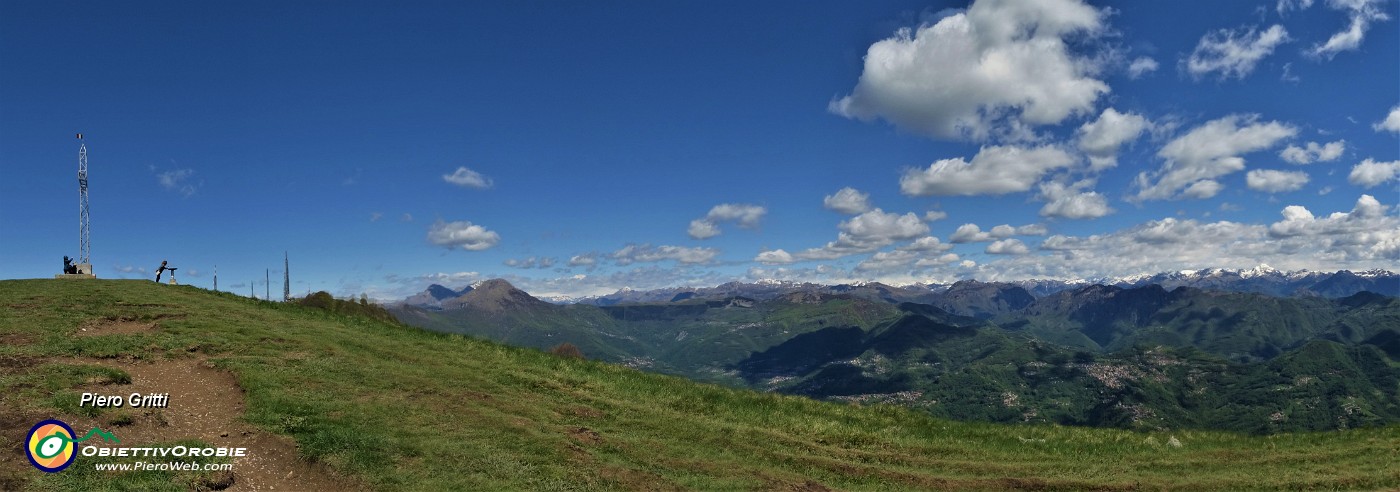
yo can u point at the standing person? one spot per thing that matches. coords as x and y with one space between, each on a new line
162 269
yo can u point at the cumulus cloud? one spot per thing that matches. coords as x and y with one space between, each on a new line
849 201
1101 138
1193 161
971 233
1141 66
999 60
1365 231
746 215
935 215
1234 52
1391 123
889 261
1361 13
995 170
863 233
1370 173
1072 201
467 178
1008 247
1364 238
702 229
1273 181
530 262
646 253
1203 189
462 234
1313 152
926 244
923 252
584 260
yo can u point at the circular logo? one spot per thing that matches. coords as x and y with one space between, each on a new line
50 446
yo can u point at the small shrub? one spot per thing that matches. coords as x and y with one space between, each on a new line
567 350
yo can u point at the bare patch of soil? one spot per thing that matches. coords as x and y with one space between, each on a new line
585 435
206 404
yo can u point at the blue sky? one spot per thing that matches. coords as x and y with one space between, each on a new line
577 148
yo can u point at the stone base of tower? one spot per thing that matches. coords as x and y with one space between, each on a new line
84 271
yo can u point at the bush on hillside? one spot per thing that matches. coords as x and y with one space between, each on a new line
323 300
567 350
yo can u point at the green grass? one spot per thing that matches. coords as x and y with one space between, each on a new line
394 407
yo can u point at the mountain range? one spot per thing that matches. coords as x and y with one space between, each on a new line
1262 279
1212 348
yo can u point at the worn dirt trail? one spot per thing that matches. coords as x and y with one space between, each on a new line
205 404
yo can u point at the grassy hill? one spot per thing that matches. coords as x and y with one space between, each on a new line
385 406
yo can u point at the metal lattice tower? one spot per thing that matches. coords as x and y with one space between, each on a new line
286 279
84 227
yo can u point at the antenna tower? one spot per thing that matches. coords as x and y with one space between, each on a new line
84 228
286 279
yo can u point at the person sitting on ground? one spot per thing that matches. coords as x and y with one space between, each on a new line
162 269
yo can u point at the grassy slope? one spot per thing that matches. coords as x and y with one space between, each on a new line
400 408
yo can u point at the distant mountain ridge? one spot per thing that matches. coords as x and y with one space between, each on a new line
1261 279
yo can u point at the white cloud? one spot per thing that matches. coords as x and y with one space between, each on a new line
746 215
849 201
1273 181
877 225
1203 189
924 252
1365 232
935 215
1234 53
1370 173
467 178
998 60
1072 202
1391 122
863 233
1193 161
1008 247
926 244
1313 152
530 262
702 229
462 234
1286 5
1362 239
178 180
1101 138
646 253
588 260
1141 66
1362 14
774 257
971 233
995 170
375 216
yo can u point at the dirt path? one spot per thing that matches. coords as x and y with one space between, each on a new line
205 404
